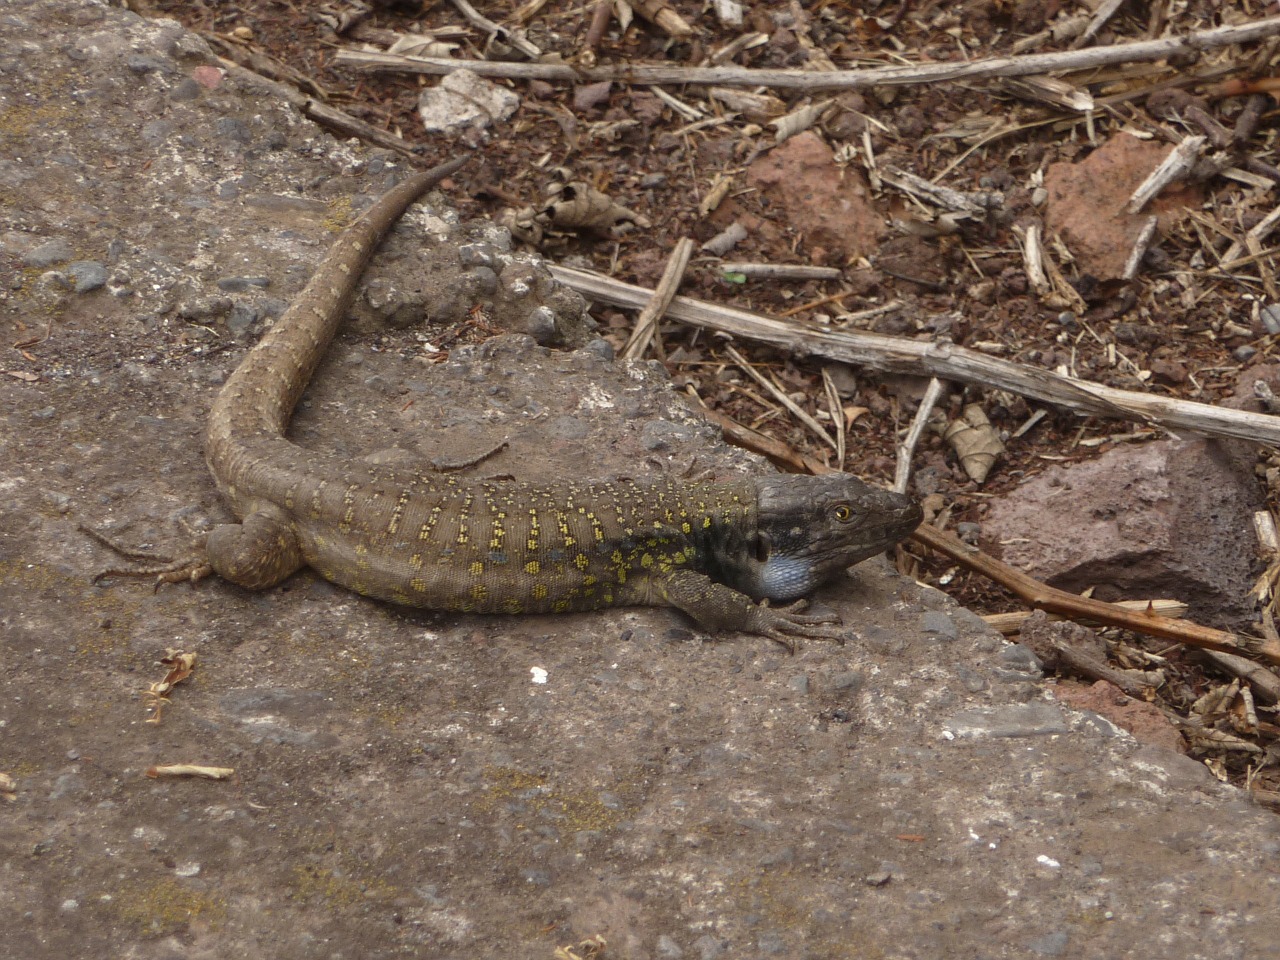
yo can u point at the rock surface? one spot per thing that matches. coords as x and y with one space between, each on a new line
422 785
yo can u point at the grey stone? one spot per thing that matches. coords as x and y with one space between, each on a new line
1014 720
48 253
242 284
937 624
86 275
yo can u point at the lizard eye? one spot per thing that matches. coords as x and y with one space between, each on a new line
842 512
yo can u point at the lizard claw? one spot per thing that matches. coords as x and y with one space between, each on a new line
166 569
783 625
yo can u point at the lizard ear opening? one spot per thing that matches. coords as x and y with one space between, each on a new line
763 547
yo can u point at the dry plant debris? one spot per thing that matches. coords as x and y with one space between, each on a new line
962 126
190 770
156 695
589 949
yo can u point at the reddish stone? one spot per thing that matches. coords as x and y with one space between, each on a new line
1086 202
1143 720
829 207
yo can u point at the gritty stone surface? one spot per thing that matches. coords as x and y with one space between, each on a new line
1139 522
1086 202
412 784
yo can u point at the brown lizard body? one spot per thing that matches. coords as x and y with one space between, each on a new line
710 549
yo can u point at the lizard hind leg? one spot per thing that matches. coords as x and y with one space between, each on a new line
191 565
255 554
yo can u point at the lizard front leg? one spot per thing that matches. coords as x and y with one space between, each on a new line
717 607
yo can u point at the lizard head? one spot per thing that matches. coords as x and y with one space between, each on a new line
810 528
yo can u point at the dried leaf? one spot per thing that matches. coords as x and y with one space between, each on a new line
180 665
1215 701
580 206
975 441
851 415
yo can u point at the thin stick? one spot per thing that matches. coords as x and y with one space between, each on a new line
775 450
809 80
1106 10
796 410
1011 623
1050 599
837 415
780 271
647 322
1140 246
501 34
945 360
600 18
1175 166
907 448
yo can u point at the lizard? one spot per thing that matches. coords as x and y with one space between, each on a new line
719 551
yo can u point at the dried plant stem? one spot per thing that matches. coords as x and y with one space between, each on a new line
796 410
1074 607
908 446
1011 623
809 80
647 322
944 360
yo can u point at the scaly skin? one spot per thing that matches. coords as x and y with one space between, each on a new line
425 540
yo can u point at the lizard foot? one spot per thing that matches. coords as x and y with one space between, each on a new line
191 567
783 625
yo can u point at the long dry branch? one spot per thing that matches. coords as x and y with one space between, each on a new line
810 80
945 360
1070 605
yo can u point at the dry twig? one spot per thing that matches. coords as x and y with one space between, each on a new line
780 271
945 360
190 770
809 80
1052 600
647 322
906 449
778 394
